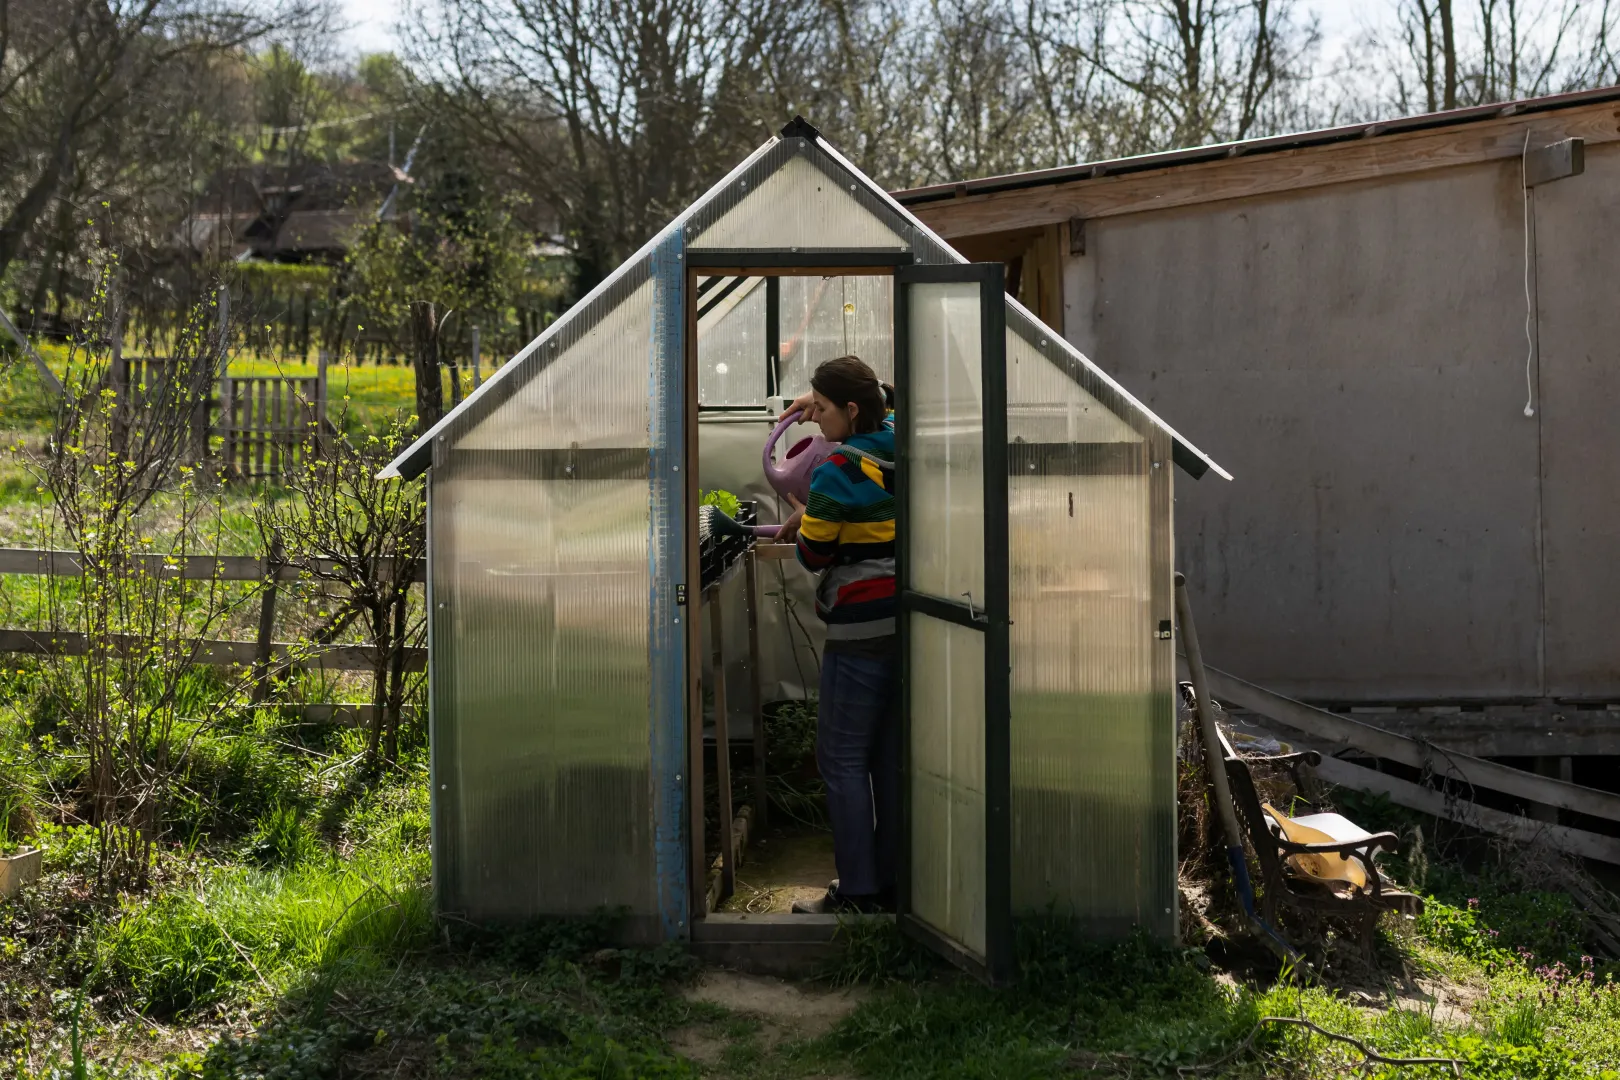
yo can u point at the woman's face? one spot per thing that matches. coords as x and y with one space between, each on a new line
837 422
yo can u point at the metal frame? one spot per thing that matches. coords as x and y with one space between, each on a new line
672 555
800 261
999 962
773 337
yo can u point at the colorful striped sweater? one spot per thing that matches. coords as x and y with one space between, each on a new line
848 534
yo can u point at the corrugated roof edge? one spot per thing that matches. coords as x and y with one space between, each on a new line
1247 148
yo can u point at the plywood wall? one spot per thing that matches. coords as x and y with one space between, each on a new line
1355 354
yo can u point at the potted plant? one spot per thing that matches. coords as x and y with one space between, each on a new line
19 862
19 866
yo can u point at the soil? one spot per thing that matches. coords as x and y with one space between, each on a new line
784 865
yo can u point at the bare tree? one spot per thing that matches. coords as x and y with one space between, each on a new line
612 114
361 538
124 500
74 73
1445 56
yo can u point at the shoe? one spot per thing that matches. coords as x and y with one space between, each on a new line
834 902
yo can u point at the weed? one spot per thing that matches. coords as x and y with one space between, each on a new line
283 838
875 951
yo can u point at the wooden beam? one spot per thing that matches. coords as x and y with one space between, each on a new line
1263 174
1340 732
1436 804
1505 730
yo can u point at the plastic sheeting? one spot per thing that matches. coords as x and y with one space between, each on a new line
1093 791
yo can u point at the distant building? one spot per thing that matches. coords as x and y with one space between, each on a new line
299 213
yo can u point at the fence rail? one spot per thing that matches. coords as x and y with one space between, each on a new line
58 563
214 651
267 655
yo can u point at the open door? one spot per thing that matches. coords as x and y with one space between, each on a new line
955 880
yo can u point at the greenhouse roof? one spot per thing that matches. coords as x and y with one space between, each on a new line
837 216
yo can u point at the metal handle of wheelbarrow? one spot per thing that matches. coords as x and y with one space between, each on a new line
1215 765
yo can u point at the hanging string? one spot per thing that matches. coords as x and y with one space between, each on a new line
1529 307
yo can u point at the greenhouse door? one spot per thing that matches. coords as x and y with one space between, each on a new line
955 882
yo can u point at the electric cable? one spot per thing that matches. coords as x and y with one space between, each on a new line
1529 305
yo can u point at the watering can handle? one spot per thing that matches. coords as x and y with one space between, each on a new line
773 472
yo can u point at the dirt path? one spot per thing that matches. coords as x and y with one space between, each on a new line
767 1014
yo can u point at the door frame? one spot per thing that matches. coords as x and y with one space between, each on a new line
726 263
999 963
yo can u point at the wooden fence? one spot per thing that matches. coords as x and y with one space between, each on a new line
261 421
264 653
1458 773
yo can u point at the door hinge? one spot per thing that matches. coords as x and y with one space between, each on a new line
680 596
1165 631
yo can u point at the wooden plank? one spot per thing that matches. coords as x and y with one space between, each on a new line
226 424
1505 730
214 651
259 422
1269 173
278 423
1341 732
756 703
57 563
776 551
1522 829
722 745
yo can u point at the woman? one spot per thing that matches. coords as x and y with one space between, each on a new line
846 533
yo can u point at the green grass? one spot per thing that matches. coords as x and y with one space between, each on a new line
289 934
234 929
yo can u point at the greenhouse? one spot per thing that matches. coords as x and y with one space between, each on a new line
604 669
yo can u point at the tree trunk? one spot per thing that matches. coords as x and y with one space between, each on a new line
378 613
1448 46
425 360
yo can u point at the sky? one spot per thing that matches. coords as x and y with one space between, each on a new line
372 22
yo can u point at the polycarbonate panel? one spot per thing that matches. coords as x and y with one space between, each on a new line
824 317
797 206
591 392
946 463
542 576
947 774
542 650
1093 787
731 342
1045 405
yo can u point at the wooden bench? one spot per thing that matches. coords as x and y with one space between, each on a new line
1284 888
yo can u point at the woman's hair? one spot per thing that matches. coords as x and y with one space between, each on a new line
844 379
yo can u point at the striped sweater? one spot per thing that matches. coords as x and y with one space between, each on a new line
848 534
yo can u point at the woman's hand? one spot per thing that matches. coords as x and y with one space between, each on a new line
805 403
789 532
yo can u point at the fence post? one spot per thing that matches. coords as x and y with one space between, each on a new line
320 404
478 372
267 620
227 447
118 375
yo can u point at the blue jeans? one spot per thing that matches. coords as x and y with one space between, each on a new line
858 753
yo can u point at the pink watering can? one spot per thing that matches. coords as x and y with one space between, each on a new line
791 478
